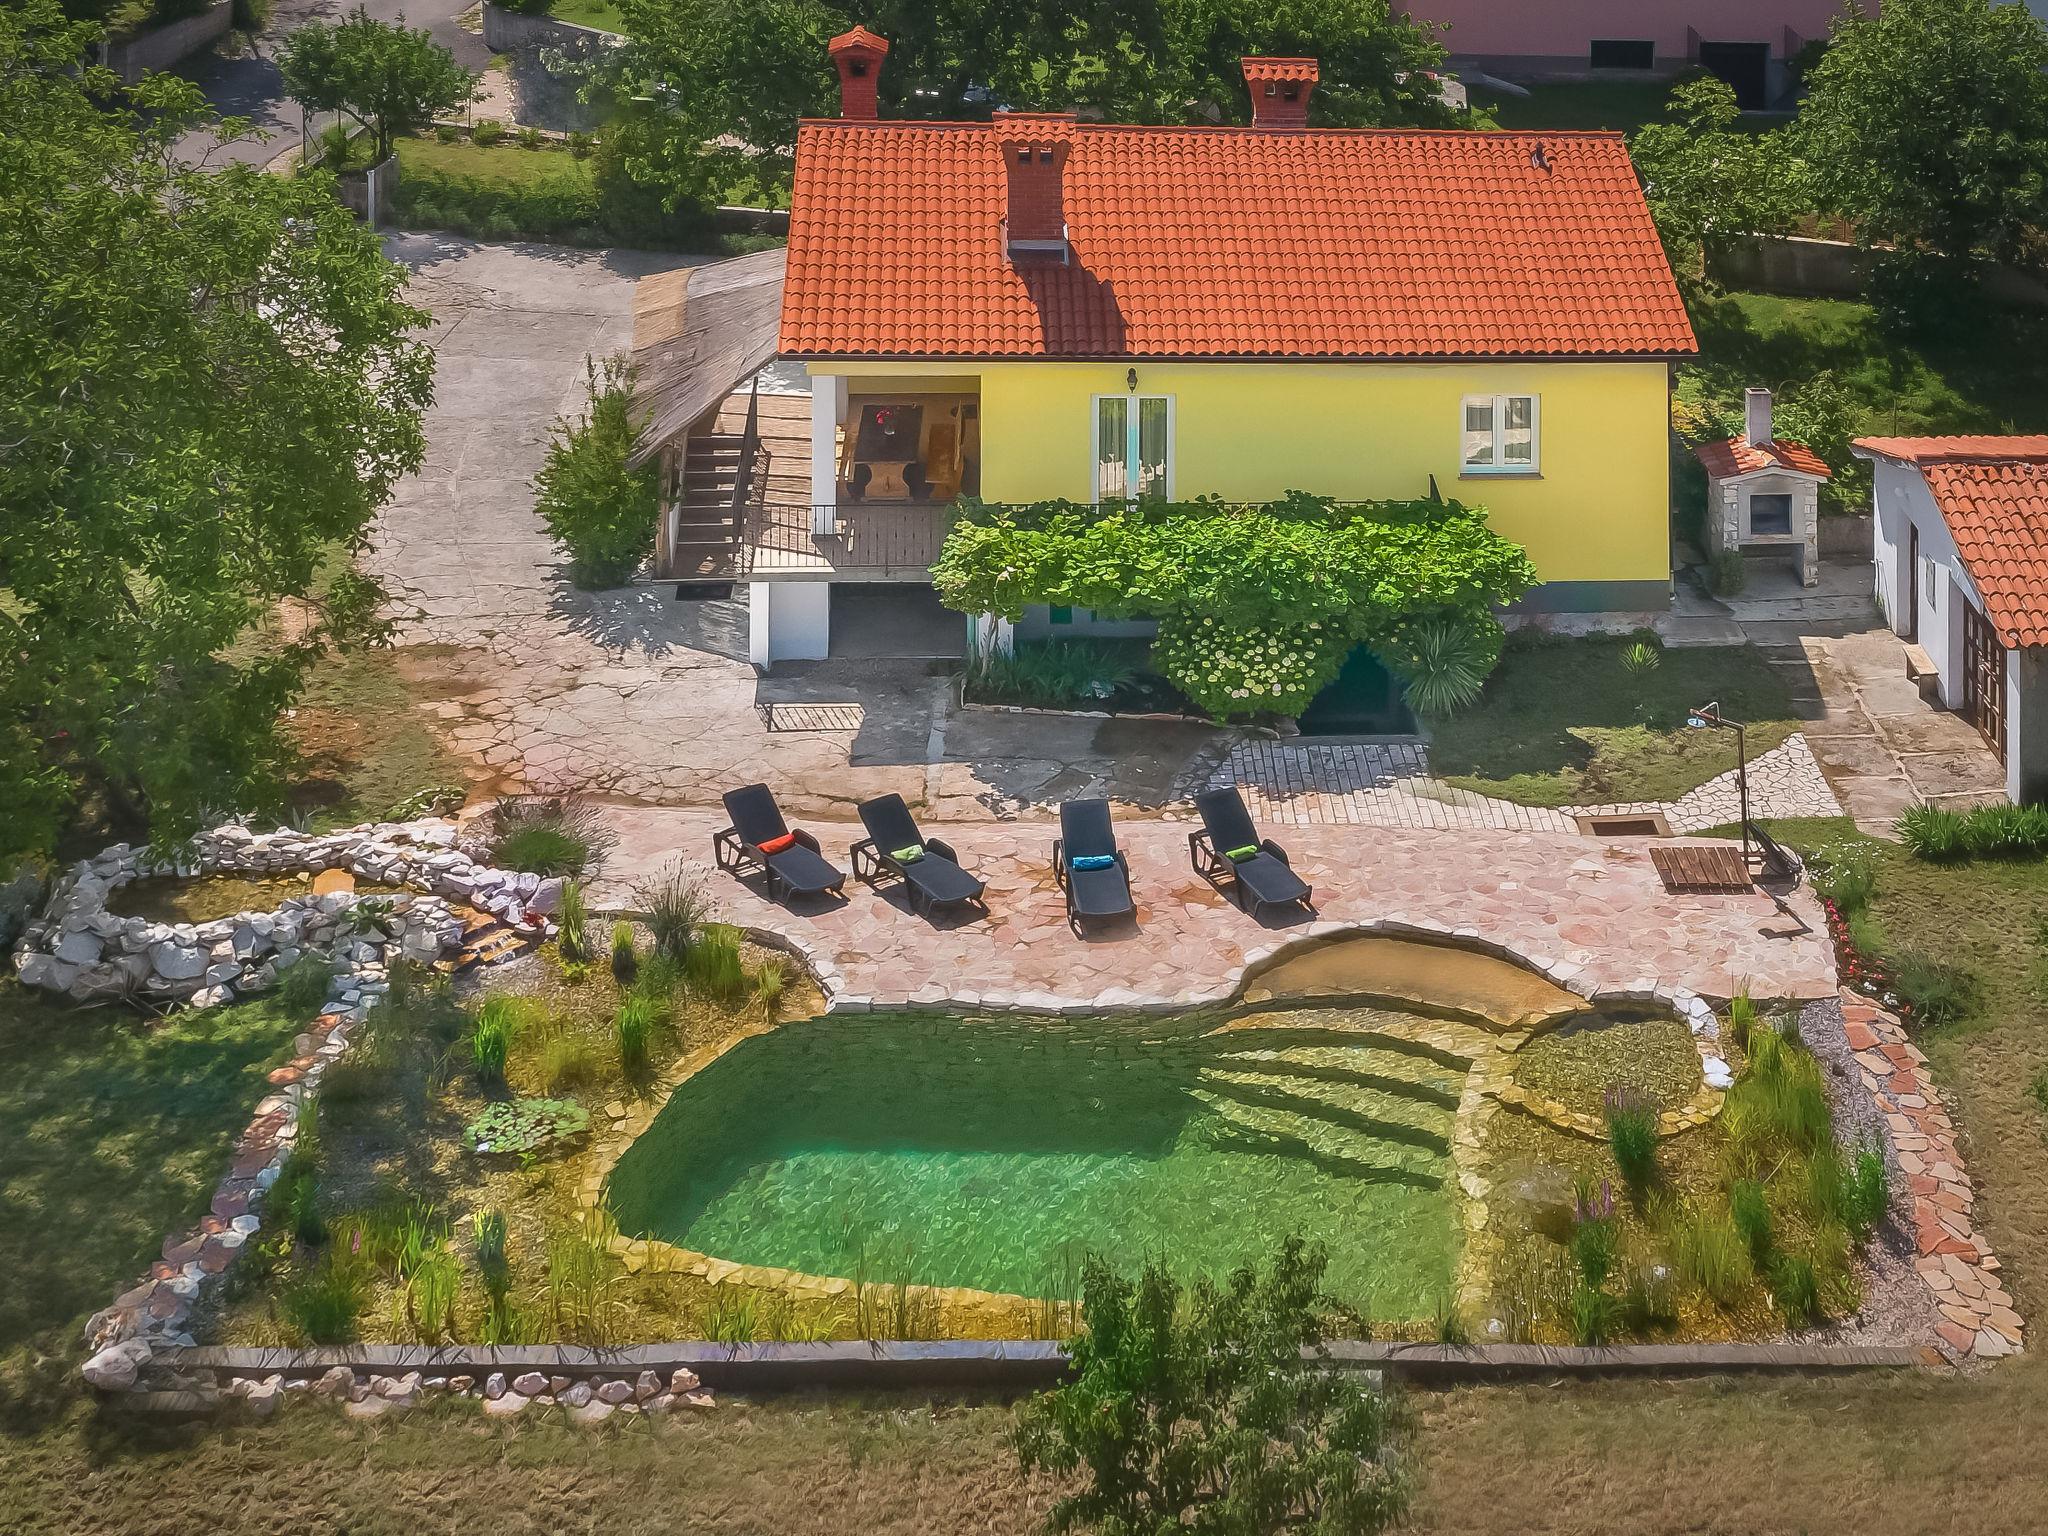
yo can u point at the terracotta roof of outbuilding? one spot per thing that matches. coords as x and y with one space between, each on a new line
1739 456
1925 450
1993 494
1230 242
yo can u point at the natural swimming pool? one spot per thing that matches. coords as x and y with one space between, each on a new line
991 1153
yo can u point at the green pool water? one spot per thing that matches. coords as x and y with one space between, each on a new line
991 1154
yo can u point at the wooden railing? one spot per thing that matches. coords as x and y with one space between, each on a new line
901 537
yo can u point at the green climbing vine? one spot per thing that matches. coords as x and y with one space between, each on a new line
1257 605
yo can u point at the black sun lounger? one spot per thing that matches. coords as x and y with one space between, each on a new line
759 839
1089 866
930 869
1229 850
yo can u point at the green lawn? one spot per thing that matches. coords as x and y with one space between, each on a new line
1994 380
113 1132
364 741
1563 722
1620 105
602 14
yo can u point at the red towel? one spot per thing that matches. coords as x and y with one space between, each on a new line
777 844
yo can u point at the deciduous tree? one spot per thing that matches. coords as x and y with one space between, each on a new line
208 384
1708 181
389 77
1208 1410
1927 126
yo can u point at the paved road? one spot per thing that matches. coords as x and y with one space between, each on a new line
249 86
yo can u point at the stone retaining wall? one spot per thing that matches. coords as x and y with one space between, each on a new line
1836 269
160 47
506 31
82 950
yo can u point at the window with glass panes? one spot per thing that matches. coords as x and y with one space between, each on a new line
1133 446
1499 434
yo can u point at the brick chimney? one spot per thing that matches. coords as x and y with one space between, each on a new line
1035 146
1280 91
1756 417
858 55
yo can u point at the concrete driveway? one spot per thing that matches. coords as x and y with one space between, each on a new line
630 694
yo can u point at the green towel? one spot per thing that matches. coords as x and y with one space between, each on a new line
1240 855
908 855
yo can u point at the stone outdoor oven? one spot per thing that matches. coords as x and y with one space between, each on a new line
1763 491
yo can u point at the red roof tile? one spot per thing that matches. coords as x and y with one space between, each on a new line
1998 513
1229 242
1739 456
1927 450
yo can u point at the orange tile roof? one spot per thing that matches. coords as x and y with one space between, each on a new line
1998 512
1739 456
1927 450
1229 242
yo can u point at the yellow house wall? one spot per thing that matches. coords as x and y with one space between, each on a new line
1596 510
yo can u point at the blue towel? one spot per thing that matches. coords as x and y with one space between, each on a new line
1095 861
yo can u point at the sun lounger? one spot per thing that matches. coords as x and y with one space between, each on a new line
760 839
929 868
1089 866
1229 853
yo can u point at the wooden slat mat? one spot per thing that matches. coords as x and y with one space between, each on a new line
1701 869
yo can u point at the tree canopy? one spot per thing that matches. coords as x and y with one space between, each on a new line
1927 126
208 384
733 76
1208 1410
1707 180
390 78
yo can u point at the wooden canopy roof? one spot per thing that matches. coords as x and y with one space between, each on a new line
697 333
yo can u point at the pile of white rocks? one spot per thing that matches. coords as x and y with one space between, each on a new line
79 948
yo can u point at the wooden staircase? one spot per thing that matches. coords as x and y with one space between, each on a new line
712 495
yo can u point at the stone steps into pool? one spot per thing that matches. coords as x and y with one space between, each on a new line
1374 1117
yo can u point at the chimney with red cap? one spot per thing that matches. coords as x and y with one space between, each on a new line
1280 91
1035 147
858 55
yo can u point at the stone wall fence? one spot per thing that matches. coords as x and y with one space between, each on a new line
1835 269
159 48
507 31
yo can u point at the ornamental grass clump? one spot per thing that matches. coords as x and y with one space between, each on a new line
490 1040
304 985
1932 833
324 1305
632 1028
572 924
1709 1254
1751 1214
625 958
676 908
713 968
548 835
1632 1135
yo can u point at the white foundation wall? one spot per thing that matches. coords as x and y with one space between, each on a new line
1902 502
788 621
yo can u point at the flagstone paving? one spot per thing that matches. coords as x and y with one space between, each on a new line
1593 916
1311 783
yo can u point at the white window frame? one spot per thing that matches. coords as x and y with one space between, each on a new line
1498 404
1130 438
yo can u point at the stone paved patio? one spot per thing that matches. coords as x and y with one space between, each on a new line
1306 783
1592 916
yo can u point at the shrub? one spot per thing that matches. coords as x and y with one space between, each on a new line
1741 1018
1931 992
1639 658
486 131
530 138
1632 1133
597 507
676 909
1751 1214
1709 1254
490 1039
625 958
527 1125
572 924
1930 832
632 1027
1727 572
568 1061
1796 1288
1053 674
323 1305
1594 1314
713 968
2006 831
1446 668
447 133
769 980
1866 1194
303 986
548 835
1845 873
579 145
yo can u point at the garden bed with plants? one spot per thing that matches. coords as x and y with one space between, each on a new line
1110 677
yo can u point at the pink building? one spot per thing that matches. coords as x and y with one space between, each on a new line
1746 42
